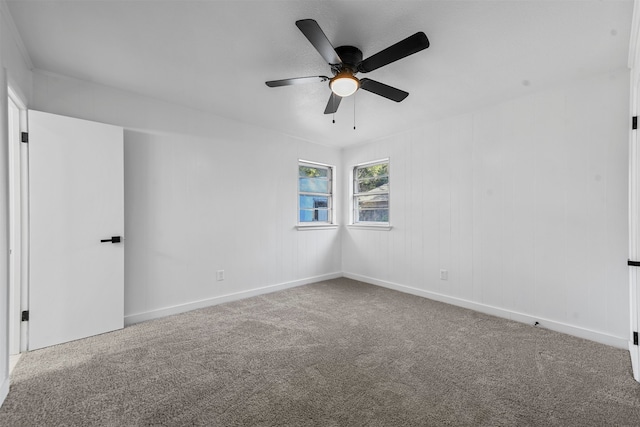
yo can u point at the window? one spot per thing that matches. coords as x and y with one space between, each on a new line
315 193
371 192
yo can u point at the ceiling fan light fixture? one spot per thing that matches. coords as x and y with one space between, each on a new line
344 84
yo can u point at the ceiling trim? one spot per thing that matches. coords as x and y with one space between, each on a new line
15 34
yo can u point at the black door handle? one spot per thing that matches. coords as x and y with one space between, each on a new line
114 239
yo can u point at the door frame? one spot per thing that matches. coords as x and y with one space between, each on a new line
19 225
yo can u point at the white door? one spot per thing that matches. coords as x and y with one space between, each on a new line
76 194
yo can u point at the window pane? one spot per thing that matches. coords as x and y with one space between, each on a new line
314 185
315 202
372 184
376 201
373 215
373 171
306 216
313 172
310 202
322 215
371 192
311 215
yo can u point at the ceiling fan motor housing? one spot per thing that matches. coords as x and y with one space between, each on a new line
351 56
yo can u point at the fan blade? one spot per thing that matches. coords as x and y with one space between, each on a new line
313 32
297 81
402 49
382 89
333 104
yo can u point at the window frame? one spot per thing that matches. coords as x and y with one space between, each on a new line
331 199
377 225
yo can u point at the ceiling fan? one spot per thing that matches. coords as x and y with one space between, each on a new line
346 62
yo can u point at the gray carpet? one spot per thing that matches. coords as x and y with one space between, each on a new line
335 353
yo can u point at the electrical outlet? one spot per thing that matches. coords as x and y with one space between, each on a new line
444 274
220 275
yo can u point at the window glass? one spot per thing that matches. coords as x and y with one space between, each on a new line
315 193
314 185
371 192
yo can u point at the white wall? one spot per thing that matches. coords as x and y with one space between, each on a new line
524 203
202 194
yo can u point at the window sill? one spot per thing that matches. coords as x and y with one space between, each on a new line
381 227
317 227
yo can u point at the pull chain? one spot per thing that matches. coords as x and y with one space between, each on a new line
354 111
333 102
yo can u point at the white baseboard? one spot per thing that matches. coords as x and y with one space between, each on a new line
577 331
4 390
181 308
588 334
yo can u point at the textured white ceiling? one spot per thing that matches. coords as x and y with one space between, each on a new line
216 55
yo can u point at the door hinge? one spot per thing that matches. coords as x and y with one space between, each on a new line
635 338
25 316
24 137
634 122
